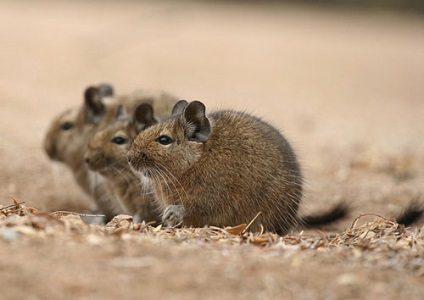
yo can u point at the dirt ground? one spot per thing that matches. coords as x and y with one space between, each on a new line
346 88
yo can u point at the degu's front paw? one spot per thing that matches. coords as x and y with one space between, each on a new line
173 215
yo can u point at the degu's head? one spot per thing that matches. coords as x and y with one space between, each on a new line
171 147
106 152
68 133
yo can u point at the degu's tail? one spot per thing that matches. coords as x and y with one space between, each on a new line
411 214
338 212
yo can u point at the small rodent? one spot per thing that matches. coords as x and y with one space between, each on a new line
107 154
69 133
221 170
67 138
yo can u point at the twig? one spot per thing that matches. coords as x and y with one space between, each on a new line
75 213
251 222
12 205
364 215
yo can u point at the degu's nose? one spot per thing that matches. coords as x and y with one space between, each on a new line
50 149
87 159
131 157
135 158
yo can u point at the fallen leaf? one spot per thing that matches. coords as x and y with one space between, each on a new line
236 230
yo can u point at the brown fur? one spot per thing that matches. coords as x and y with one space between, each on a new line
68 145
107 154
220 170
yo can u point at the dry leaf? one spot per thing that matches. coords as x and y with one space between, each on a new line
236 230
259 241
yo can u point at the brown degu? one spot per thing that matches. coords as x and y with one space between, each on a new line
221 169
69 133
67 137
107 154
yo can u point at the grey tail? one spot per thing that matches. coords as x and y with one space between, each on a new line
338 212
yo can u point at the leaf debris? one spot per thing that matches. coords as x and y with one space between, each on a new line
380 242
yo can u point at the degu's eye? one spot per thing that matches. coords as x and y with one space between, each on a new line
67 125
164 140
119 140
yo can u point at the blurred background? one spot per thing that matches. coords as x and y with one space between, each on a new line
342 79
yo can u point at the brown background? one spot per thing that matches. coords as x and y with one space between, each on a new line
345 86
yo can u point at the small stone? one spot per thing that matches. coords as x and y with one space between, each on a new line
347 279
8 234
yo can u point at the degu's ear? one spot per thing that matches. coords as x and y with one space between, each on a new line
144 117
196 125
121 113
179 107
93 104
106 90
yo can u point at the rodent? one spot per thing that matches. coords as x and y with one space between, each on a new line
221 169
106 153
69 133
218 170
67 137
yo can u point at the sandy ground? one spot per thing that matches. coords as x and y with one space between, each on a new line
346 87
